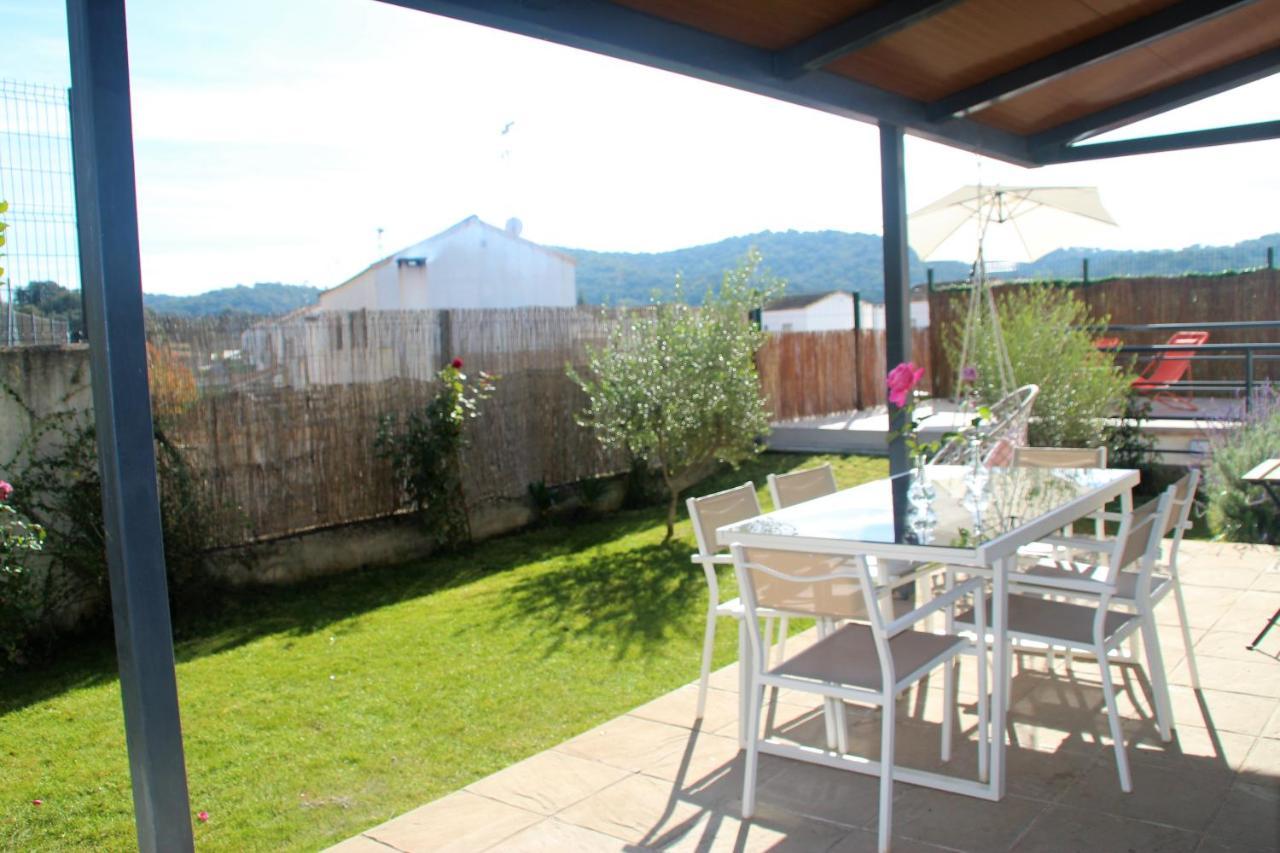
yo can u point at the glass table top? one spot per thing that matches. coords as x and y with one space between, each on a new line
957 509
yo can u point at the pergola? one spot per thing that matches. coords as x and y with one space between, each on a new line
1025 81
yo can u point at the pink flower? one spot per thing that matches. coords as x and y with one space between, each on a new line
902 379
968 373
5 490
456 364
203 817
34 802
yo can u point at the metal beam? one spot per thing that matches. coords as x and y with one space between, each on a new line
614 30
854 34
1162 100
111 280
897 285
1166 22
1168 142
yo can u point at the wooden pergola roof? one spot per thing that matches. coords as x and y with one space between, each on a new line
1021 80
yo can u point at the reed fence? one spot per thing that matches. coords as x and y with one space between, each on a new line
1253 295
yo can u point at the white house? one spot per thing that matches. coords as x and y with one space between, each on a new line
809 312
471 265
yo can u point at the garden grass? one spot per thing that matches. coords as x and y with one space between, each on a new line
314 712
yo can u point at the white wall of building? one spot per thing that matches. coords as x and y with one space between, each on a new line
834 311
472 265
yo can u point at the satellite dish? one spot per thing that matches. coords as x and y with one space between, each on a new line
514 226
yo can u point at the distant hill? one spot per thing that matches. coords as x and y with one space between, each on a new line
815 261
262 298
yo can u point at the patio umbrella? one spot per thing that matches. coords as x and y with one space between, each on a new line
1007 223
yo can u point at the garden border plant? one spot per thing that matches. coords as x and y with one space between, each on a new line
424 448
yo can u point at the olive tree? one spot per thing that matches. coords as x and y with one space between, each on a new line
676 385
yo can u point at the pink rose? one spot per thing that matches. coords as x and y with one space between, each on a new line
968 373
5 490
34 802
456 364
203 817
902 379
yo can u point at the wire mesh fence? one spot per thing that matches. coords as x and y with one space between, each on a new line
36 179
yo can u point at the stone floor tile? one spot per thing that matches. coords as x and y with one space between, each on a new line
1160 794
1251 611
1213 845
1205 606
1272 728
837 796
1268 581
1248 818
360 844
1259 677
1033 774
680 707
1216 709
1232 554
704 755
1208 572
629 743
770 829
1192 749
1232 645
556 836
1261 768
547 782
866 841
725 678
640 810
957 821
1063 828
459 823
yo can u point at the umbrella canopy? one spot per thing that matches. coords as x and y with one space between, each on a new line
1010 223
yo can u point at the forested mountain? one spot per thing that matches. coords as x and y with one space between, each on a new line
817 261
262 298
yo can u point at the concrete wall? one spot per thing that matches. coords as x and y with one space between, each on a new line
37 382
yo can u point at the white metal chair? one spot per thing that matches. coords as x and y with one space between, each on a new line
865 663
708 513
799 486
1096 628
1008 423
1164 579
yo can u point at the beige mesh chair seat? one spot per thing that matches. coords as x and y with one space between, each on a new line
1060 457
800 486
868 663
1094 627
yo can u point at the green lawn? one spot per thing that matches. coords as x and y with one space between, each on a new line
314 712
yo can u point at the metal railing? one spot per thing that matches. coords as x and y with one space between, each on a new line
1249 354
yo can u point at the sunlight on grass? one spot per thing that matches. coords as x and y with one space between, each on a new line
314 712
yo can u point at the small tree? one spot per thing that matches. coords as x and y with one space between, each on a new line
1044 330
676 386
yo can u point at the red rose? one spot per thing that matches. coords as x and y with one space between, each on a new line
456 364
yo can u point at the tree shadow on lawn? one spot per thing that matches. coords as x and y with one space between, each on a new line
630 598
228 618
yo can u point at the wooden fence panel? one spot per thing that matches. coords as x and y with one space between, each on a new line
1244 296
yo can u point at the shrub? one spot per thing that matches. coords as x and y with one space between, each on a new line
424 448
676 386
1044 331
19 610
1239 511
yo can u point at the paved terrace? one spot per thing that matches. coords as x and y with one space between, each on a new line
650 779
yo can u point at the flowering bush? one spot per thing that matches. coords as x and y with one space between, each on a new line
19 539
425 446
1240 511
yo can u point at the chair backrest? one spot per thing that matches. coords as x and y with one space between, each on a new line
1139 539
1171 365
1179 520
1009 419
801 582
717 510
800 486
1060 457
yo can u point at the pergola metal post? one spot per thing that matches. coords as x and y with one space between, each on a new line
897 286
110 271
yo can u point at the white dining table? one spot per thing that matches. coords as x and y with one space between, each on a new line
1016 507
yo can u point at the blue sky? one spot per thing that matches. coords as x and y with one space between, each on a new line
275 137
